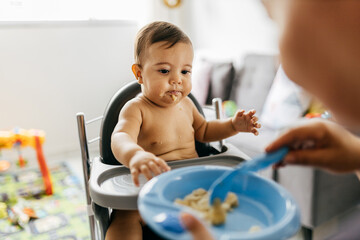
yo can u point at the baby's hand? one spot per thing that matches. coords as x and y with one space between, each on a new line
246 122
147 164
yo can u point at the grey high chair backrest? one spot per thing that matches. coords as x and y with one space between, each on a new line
111 116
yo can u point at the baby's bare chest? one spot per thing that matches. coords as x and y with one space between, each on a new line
166 130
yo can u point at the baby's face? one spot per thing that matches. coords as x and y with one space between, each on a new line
166 73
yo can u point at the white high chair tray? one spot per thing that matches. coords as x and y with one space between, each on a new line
111 185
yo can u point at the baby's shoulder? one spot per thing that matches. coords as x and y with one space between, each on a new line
136 102
133 107
188 102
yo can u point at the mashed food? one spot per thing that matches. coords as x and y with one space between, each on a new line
173 97
216 214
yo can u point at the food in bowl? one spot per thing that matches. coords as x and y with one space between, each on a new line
216 214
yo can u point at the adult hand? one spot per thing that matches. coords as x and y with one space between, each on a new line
320 144
195 227
148 164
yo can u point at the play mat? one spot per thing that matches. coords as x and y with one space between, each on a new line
58 216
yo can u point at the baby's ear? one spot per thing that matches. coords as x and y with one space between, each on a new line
136 69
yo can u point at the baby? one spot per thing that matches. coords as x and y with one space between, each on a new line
162 123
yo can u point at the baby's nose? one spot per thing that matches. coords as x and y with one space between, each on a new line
175 80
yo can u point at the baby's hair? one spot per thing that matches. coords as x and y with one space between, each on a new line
158 32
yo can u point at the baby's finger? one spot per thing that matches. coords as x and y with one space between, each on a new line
257 125
240 113
252 112
255 132
135 176
254 119
163 165
154 167
147 173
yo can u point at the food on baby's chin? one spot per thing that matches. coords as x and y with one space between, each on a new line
216 214
173 97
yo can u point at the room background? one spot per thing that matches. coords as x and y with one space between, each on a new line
58 58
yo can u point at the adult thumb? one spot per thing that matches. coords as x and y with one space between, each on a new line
195 227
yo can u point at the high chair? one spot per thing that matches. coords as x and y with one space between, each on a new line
108 184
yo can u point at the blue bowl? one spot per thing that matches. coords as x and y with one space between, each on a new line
262 203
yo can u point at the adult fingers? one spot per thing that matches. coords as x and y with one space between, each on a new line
322 158
195 227
296 136
279 165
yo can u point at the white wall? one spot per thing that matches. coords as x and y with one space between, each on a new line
49 71
224 29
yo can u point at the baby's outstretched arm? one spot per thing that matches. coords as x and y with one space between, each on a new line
215 130
246 122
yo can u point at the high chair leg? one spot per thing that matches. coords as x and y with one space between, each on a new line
86 169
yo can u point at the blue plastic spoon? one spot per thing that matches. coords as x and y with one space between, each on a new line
222 185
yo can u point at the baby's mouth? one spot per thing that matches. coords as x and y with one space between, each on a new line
174 94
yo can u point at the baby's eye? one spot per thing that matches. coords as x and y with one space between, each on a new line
185 72
164 71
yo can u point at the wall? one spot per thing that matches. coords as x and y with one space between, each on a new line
224 29
49 71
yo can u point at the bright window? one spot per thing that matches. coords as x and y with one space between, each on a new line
45 10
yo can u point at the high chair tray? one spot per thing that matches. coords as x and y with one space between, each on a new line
111 185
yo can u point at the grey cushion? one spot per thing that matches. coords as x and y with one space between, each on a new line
221 80
252 83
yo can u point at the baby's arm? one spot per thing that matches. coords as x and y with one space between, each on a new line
127 151
208 131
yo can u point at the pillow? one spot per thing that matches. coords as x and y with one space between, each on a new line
221 79
285 103
253 81
201 80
